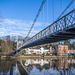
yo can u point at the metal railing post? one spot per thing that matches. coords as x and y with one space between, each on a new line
65 21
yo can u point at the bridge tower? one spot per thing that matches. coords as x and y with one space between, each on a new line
19 43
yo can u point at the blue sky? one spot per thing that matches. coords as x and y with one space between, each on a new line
18 15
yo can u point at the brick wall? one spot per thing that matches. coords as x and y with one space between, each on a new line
62 50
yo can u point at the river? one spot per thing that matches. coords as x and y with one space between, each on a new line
37 66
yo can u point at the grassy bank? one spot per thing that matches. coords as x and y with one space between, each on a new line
43 57
37 57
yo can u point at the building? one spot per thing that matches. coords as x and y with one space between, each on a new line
37 51
61 50
71 51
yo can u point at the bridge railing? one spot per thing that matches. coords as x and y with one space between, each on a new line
60 24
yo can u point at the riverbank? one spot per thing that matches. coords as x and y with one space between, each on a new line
36 57
44 57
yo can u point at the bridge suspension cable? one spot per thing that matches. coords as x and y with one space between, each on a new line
43 13
53 9
47 12
65 9
73 4
36 18
61 8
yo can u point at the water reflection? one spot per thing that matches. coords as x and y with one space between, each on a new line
37 67
8 67
49 67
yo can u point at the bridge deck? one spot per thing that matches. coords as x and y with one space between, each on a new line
62 29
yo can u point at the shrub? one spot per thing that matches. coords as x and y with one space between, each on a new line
5 53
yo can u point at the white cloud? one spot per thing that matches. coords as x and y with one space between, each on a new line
19 27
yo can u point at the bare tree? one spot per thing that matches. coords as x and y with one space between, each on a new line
7 44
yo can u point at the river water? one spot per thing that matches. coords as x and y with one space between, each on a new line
37 66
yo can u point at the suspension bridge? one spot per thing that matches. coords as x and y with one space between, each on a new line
61 29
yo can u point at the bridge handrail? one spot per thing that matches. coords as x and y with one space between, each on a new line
51 28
